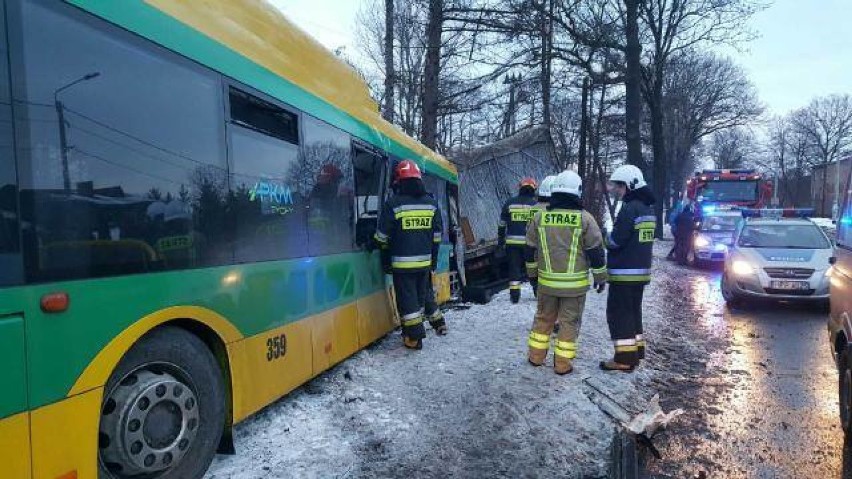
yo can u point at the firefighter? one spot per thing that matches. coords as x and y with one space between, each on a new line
543 200
629 245
512 230
566 244
432 311
409 234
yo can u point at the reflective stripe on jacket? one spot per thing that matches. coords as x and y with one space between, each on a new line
561 239
410 232
514 217
630 245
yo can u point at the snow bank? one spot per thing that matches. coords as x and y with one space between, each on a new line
468 405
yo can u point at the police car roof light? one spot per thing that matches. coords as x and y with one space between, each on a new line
777 212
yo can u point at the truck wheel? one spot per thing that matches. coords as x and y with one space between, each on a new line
163 410
844 369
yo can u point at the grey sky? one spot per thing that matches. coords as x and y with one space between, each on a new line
804 49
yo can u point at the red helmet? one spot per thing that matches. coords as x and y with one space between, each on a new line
528 182
406 169
329 174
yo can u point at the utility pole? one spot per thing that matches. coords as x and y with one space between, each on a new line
63 136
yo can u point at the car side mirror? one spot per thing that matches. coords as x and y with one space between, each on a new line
832 261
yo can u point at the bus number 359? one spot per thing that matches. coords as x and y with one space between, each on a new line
276 347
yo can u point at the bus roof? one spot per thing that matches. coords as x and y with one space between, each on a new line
254 43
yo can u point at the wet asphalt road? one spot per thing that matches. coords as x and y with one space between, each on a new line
758 385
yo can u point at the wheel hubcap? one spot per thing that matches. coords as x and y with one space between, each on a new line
148 423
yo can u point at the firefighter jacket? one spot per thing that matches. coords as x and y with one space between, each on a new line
565 245
410 232
631 242
540 207
514 217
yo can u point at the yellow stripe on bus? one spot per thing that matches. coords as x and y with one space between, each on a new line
98 371
65 437
15 446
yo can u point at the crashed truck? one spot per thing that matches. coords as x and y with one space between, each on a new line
488 176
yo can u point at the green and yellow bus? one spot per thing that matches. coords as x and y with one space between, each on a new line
187 190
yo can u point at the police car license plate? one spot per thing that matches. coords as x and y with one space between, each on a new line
790 285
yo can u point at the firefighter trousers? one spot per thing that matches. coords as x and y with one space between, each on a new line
410 288
552 309
516 268
624 317
432 311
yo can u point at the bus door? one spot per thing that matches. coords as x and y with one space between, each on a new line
376 315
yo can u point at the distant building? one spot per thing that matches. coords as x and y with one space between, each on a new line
822 185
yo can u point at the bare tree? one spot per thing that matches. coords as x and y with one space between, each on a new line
429 125
703 94
732 148
826 124
390 71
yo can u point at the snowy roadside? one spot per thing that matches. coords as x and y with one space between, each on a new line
468 405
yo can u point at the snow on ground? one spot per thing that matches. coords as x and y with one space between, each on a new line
467 405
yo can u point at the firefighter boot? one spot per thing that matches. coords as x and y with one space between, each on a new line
562 365
515 291
539 344
616 366
640 344
416 344
438 324
534 284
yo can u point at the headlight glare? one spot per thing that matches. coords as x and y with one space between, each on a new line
702 241
742 268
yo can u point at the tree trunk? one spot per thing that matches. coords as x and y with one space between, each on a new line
546 59
632 85
429 121
390 72
584 129
658 145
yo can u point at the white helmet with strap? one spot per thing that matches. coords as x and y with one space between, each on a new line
544 189
567 182
630 175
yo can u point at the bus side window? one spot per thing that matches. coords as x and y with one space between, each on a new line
125 173
326 171
368 183
268 193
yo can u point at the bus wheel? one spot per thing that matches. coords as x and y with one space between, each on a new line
163 410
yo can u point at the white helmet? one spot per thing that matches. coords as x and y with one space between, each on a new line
567 182
630 175
544 189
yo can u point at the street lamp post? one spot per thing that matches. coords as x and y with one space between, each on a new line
63 139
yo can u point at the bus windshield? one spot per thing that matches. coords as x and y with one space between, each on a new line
728 191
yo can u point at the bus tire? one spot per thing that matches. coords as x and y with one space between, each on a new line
163 410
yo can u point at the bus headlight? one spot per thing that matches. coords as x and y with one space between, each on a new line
742 268
702 241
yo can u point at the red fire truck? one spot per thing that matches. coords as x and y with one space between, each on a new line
714 193
712 189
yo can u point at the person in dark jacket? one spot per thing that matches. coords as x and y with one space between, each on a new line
630 247
409 234
512 233
683 232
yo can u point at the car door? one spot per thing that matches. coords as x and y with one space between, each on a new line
841 280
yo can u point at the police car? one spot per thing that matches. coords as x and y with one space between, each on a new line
777 254
714 236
